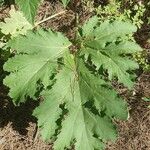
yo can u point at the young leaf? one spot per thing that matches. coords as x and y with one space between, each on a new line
15 25
103 46
29 8
74 87
65 2
36 58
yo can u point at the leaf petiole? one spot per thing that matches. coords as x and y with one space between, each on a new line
48 18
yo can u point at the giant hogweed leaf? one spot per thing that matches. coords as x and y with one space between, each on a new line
36 58
75 86
45 42
106 31
29 8
15 25
48 112
104 98
106 51
88 27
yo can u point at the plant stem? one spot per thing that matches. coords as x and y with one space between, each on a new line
48 18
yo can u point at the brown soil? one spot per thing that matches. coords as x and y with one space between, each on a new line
134 134
18 130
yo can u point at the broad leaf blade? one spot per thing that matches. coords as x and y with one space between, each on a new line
104 98
57 95
29 8
36 61
88 27
75 86
106 50
45 42
109 32
47 114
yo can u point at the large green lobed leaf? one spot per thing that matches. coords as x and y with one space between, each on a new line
108 48
36 60
75 87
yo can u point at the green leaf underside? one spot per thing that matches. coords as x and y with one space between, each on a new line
35 61
29 8
75 88
15 25
101 45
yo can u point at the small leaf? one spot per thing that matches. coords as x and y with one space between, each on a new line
146 99
106 50
29 8
65 2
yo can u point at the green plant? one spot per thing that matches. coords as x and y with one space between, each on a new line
111 12
146 99
79 103
65 2
115 11
133 13
142 59
29 8
14 25
139 10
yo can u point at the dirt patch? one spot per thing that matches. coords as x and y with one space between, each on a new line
134 134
